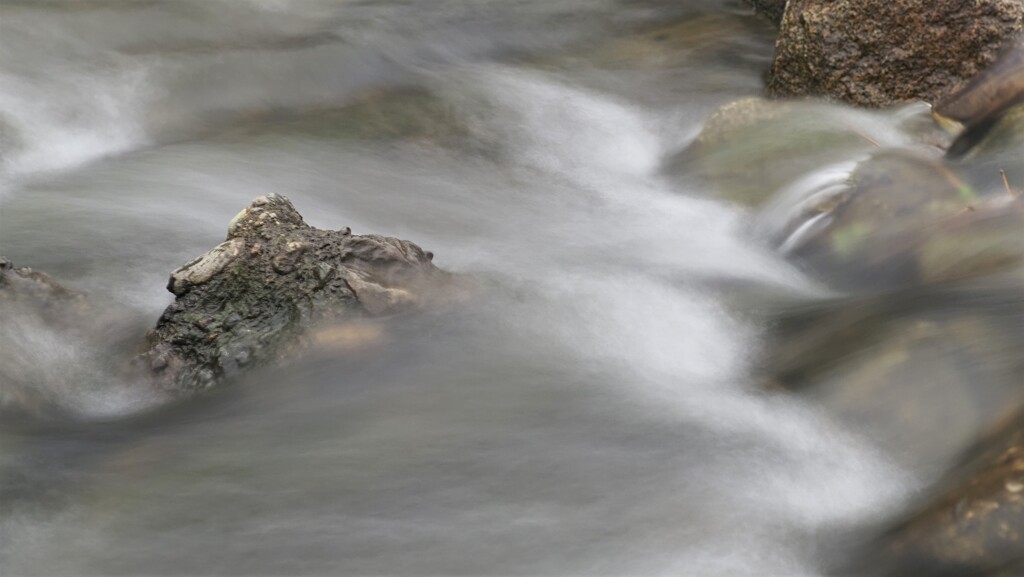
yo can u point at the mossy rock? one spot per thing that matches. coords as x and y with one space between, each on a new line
750 148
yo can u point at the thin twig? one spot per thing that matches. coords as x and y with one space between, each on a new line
865 137
1006 184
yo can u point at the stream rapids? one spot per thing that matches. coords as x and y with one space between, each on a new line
593 412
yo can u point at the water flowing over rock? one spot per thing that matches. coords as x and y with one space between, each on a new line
26 292
771 8
880 52
976 525
255 297
907 220
38 289
908 363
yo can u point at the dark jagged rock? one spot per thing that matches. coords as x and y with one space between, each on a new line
880 52
254 298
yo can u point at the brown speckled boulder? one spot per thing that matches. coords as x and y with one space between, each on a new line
880 52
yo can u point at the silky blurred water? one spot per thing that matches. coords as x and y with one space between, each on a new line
591 411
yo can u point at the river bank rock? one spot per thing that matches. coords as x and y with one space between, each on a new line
880 52
261 294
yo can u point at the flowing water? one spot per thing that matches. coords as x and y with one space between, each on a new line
590 412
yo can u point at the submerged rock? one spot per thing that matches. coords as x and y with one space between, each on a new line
906 220
383 116
975 527
57 346
25 292
750 148
773 9
902 367
666 47
880 52
38 291
258 296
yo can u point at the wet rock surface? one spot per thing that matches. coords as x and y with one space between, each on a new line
901 366
26 293
880 52
23 285
976 525
773 9
981 105
401 114
43 324
741 152
255 298
907 220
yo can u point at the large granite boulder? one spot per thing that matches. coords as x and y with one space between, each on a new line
880 52
258 296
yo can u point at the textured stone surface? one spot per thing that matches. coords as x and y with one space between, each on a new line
255 298
879 52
